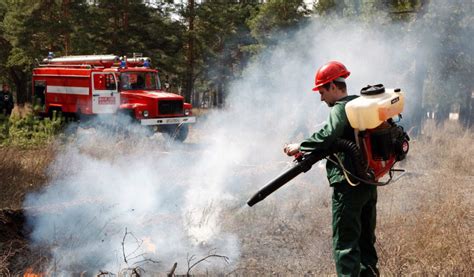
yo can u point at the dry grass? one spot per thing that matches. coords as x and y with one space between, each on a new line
22 171
424 219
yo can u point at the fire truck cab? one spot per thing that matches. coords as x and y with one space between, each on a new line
105 84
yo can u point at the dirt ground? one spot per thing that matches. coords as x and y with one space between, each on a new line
425 220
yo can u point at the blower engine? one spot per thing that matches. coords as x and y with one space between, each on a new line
380 142
379 138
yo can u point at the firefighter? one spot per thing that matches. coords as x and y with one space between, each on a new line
6 99
353 205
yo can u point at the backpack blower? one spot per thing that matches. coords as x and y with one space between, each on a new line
379 142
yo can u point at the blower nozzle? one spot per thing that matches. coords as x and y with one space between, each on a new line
303 163
300 164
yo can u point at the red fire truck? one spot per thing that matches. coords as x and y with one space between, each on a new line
84 86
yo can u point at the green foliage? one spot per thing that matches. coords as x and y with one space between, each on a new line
276 18
221 33
29 131
224 37
217 38
451 58
325 7
4 128
367 10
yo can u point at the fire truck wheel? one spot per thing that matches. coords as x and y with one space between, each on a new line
175 132
55 113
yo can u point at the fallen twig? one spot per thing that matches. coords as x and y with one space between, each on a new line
123 246
225 258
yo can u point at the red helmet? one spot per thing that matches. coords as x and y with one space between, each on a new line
329 72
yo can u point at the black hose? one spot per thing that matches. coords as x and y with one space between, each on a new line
306 162
352 150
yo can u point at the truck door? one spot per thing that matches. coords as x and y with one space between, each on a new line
105 95
39 92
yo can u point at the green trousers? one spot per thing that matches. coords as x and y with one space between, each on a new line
353 222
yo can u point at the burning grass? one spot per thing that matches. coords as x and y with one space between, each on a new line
424 219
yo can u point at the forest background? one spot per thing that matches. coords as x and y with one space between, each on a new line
200 47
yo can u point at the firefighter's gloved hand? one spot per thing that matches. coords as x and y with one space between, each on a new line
291 149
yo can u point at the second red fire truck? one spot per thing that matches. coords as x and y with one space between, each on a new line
107 84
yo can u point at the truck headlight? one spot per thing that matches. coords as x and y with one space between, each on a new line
187 112
145 113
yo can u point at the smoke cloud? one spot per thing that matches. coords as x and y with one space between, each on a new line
113 198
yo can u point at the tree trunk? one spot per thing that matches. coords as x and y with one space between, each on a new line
221 76
442 114
421 69
220 93
20 80
357 7
471 116
466 112
340 6
214 97
189 79
417 111
125 15
67 38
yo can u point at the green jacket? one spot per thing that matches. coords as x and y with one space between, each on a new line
337 126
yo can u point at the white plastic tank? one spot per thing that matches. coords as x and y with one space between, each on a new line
375 105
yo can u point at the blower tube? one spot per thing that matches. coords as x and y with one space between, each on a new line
304 163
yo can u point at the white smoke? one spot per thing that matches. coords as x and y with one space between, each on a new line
171 197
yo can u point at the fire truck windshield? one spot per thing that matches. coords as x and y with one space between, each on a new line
139 80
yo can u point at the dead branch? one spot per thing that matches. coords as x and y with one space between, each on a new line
139 243
225 258
128 257
171 273
135 271
146 260
9 252
104 273
123 246
189 259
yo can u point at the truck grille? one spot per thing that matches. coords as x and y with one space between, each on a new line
170 107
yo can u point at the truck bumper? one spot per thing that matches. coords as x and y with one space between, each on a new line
169 120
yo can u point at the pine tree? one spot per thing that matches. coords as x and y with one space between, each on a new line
275 20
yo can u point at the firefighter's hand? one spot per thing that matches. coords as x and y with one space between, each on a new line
291 149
